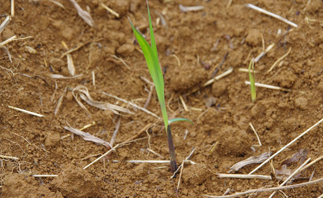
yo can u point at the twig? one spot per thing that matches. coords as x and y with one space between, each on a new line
132 104
244 176
267 189
292 175
9 157
25 111
271 14
298 137
280 59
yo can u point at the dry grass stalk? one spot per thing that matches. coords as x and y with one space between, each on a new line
8 40
57 3
267 189
12 8
113 139
44 175
58 76
5 23
182 168
244 176
183 102
81 129
84 94
280 59
153 161
264 52
30 50
14 38
83 14
105 154
121 144
178 61
254 130
132 104
140 132
110 10
292 175
191 8
246 70
60 101
184 161
251 160
7 51
87 136
25 111
290 143
74 49
157 154
70 63
120 59
229 71
149 96
268 86
310 164
93 78
271 14
9 157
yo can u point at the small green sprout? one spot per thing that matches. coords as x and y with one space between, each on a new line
151 56
252 80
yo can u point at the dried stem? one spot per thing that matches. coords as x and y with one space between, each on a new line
298 137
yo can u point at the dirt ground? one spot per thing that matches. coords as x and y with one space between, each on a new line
191 47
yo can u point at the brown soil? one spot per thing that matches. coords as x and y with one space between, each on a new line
278 116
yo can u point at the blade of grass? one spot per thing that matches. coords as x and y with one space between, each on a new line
252 80
154 69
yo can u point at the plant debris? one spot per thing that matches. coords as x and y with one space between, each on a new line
251 160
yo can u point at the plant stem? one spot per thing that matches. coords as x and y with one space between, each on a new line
173 165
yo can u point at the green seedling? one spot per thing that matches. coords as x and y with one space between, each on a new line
151 56
252 80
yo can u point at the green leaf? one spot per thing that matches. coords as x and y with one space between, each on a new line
150 54
179 119
152 37
252 80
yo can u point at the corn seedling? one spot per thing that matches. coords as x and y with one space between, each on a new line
151 56
252 80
